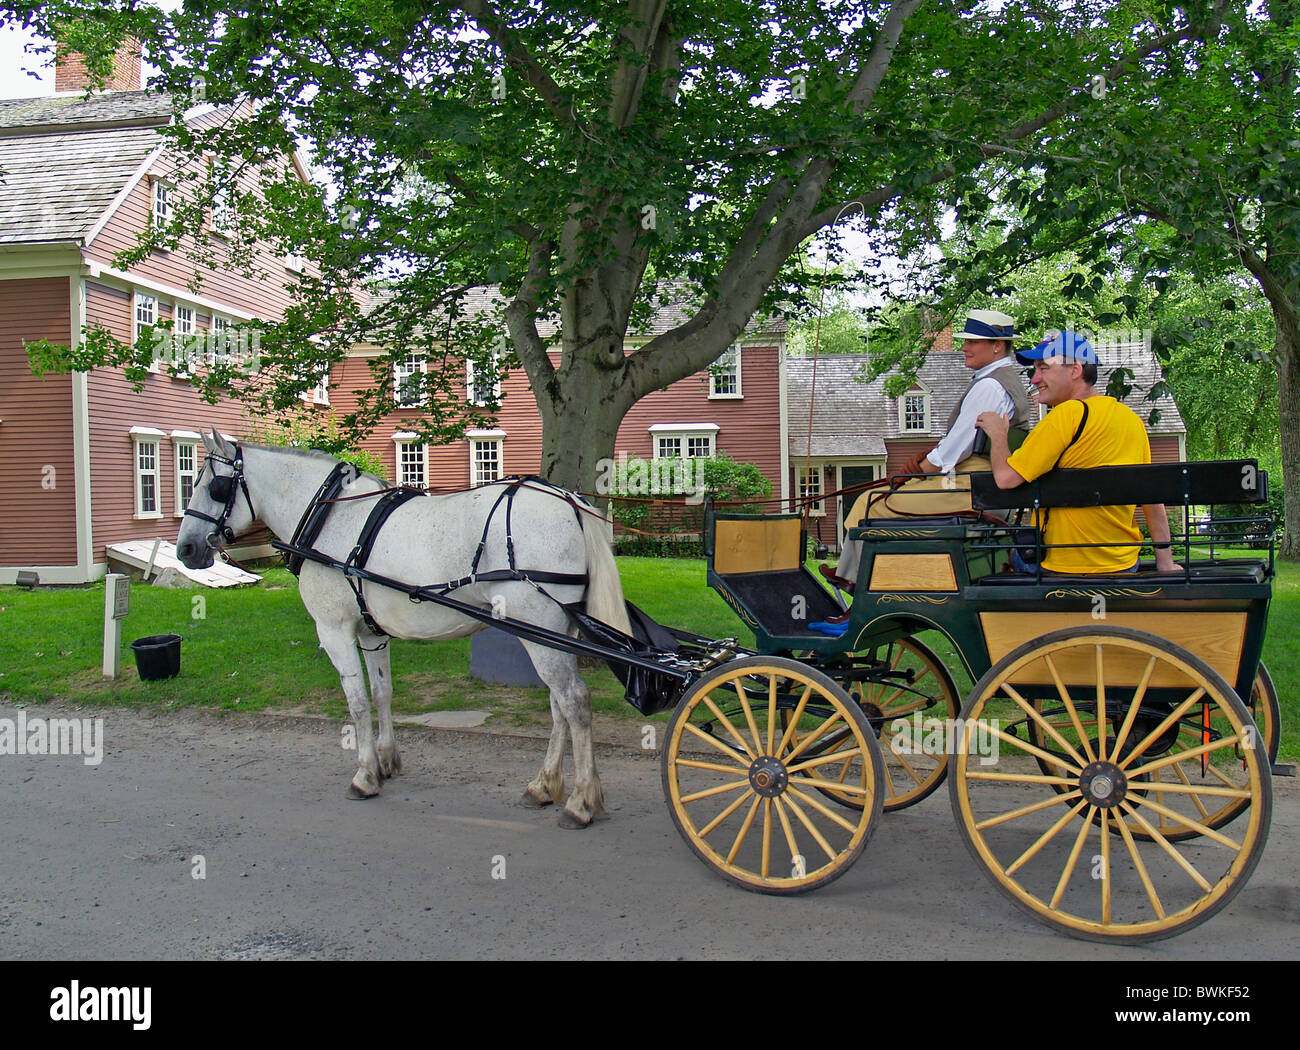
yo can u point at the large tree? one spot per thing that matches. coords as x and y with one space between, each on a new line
583 156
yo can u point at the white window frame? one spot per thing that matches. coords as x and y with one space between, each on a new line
142 303
218 341
141 438
722 368
294 262
408 367
476 438
803 475
182 440
683 433
903 428
160 208
471 386
222 220
404 439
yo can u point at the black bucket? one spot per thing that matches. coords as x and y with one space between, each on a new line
158 656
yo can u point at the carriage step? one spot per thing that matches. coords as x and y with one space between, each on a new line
1283 770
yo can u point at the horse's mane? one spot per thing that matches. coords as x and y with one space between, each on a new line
316 456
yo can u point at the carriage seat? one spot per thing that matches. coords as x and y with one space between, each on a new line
1245 572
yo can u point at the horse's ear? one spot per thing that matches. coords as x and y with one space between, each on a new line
209 443
220 445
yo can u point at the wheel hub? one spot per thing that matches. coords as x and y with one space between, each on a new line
1103 784
768 776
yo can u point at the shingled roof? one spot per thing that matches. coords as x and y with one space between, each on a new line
63 160
852 418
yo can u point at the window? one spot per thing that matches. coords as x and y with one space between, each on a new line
222 349
160 210
293 262
485 456
146 313
186 445
914 412
145 455
478 390
320 393
223 209
674 441
724 374
810 487
408 383
412 462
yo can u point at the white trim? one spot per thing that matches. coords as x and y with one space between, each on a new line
408 438
927 412
141 436
683 428
784 415
186 435
499 443
815 467
485 435
123 194
81 436
19 262
179 502
147 432
100 272
738 394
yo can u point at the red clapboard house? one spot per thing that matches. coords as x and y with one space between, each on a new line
85 461
735 408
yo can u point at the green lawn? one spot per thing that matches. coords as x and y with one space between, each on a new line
254 648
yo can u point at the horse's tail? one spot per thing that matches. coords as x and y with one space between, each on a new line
604 588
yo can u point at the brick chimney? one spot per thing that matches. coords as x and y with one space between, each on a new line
70 72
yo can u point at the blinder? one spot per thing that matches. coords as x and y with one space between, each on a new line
224 489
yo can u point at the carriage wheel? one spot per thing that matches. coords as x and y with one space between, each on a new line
916 760
741 774
1079 846
1226 771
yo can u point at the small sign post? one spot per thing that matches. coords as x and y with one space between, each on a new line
117 603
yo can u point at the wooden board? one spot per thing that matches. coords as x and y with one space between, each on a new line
1215 637
137 553
912 572
760 545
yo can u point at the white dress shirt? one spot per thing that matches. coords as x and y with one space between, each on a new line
987 395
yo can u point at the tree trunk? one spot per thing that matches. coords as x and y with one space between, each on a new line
1287 351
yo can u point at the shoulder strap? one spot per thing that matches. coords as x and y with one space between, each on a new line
1083 420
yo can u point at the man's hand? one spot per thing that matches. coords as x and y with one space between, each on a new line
1165 562
994 425
913 465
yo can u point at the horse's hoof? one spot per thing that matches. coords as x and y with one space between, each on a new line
571 822
355 793
533 801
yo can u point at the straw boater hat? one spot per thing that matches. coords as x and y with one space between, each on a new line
987 324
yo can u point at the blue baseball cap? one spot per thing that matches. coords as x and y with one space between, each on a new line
1068 346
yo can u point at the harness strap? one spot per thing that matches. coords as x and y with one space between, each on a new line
379 513
316 513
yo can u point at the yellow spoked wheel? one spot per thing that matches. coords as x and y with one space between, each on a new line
1072 836
909 708
1225 768
741 774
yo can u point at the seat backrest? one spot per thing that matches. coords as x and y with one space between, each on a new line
1174 484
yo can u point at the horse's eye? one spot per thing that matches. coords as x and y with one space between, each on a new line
221 488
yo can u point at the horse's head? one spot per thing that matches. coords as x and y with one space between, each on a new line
216 514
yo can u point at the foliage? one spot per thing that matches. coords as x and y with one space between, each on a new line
562 152
308 429
667 495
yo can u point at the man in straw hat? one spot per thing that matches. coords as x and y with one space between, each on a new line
996 387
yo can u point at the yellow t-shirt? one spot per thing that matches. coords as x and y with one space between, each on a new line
1113 436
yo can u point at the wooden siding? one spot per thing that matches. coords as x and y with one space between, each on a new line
749 427
37 476
260 298
165 404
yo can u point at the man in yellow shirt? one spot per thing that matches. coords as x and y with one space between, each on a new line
1107 434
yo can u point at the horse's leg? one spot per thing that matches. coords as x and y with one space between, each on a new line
570 695
548 785
379 672
340 645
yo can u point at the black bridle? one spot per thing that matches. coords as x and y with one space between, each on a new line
223 489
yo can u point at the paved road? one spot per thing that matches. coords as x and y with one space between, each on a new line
98 863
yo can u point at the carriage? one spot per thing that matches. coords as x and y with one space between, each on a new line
1104 771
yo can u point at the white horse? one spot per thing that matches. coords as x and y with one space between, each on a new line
427 540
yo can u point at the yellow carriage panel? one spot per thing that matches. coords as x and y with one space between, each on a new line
1216 637
912 572
756 545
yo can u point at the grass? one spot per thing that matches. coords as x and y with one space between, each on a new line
255 648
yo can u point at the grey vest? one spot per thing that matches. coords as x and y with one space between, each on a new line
1011 383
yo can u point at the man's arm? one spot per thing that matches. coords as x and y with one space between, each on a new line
987 395
1158 525
996 427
